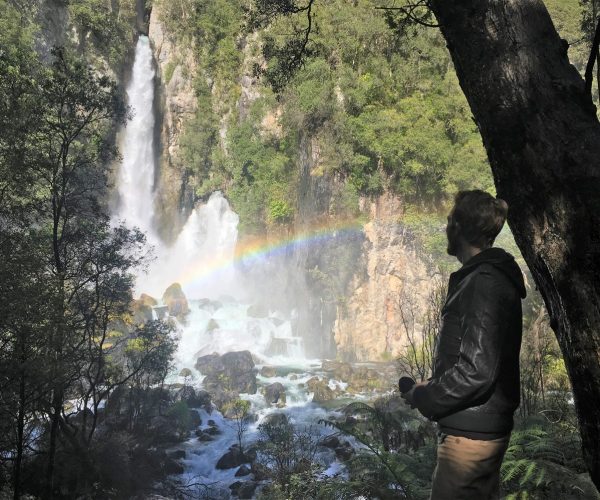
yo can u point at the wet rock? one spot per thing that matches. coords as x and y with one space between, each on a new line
274 393
163 429
141 312
175 300
171 466
338 369
203 437
233 372
260 471
147 300
212 430
331 441
246 490
344 452
268 371
177 454
233 458
293 376
320 389
244 470
193 398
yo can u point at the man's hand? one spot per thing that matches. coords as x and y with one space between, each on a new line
408 396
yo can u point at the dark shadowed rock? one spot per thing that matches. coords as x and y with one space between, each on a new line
244 470
172 467
344 452
233 458
246 490
177 454
330 442
274 393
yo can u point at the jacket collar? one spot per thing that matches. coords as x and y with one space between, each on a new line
500 259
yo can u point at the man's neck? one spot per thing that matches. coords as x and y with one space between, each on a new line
467 251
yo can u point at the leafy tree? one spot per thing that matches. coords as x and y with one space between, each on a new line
239 411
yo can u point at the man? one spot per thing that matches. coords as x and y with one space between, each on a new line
474 390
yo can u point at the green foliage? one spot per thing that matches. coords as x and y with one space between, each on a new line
287 451
106 28
180 412
396 458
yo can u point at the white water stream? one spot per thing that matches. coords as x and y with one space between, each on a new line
201 260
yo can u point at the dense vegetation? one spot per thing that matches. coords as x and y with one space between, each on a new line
79 368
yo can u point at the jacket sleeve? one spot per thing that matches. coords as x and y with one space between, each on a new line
477 367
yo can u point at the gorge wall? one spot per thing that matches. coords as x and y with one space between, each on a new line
348 290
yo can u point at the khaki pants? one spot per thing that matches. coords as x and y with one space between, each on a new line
467 469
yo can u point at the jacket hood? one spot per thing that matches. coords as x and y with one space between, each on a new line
502 260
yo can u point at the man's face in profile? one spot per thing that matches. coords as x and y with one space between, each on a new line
452 233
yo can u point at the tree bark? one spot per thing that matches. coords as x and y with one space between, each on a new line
542 137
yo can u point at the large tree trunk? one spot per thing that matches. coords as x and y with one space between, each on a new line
543 140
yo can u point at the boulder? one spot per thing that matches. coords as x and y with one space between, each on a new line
177 454
268 371
171 466
233 372
147 300
233 458
203 436
330 441
246 490
175 300
338 369
320 389
193 398
141 313
274 393
244 470
344 451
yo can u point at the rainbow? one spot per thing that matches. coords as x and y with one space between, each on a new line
256 249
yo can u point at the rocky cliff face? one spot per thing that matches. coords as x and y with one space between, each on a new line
356 292
175 104
389 292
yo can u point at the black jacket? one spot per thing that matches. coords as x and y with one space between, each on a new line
474 389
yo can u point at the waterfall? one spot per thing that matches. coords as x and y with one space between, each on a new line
136 176
201 258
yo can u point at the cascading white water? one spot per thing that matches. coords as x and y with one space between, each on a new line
136 175
201 260
201 257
